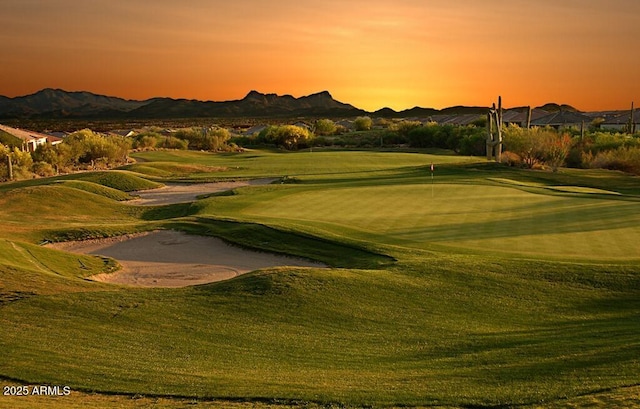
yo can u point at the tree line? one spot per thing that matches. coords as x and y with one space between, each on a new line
85 150
523 147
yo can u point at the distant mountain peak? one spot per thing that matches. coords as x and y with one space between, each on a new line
324 94
57 103
553 107
253 94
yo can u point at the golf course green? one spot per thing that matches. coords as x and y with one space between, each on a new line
477 285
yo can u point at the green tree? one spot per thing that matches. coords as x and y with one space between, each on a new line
22 164
145 141
217 139
404 127
88 147
291 137
204 138
325 127
556 149
537 145
4 165
362 123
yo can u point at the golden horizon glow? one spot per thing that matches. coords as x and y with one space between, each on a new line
371 54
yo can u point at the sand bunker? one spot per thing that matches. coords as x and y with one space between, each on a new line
181 192
169 258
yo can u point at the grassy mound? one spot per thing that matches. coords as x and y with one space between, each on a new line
440 335
29 212
171 169
121 180
98 189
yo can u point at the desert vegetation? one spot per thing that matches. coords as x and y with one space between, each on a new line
523 147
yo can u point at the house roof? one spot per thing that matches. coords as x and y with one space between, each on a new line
464 119
623 119
516 115
561 118
255 129
58 134
27 136
124 132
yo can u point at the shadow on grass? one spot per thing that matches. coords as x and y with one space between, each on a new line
171 211
261 237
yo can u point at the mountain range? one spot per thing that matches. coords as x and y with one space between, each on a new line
56 103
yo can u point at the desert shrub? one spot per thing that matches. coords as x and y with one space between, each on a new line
393 138
511 159
473 144
424 136
383 123
341 129
538 146
171 142
323 141
88 147
58 156
22 164
4 166
434 136
626 159
362 123
145 142
207 139
325 127
43 169
217 139
605 141
290 137
556 149
404 127
574 157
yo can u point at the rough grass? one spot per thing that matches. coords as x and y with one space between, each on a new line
124 181
98 189
30 212
171 169
450 316
120 180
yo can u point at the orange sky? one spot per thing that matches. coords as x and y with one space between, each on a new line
372 54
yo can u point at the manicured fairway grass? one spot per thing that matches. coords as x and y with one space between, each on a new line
482 292
478 217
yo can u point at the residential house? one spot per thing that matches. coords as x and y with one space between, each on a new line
562 119
30 139
621 122
124 132
255 129
519 116
457 119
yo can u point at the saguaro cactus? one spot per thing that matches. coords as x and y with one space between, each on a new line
494 132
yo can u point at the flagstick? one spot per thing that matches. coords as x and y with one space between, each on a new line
432 180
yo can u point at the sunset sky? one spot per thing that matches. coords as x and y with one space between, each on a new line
370 53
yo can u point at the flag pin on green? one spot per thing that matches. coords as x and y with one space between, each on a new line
432 168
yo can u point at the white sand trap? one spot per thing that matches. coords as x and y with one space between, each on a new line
182 192
169 258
